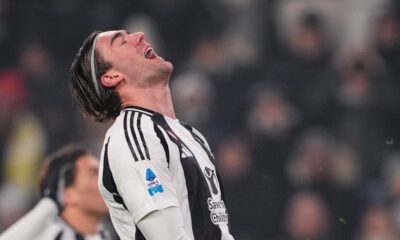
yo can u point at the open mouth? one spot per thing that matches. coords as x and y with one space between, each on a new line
150 54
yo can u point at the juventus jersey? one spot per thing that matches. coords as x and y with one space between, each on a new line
57 229
150 162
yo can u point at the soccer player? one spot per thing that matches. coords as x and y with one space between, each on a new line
157 174
68 186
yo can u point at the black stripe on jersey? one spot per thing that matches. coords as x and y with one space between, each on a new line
190 128
79 236
108 179
135 137
199 141
197 187
164 144
146 150
139 235
138 139
127 136
59 235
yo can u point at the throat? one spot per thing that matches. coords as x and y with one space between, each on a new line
157 99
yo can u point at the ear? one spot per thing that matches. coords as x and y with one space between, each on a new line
111 78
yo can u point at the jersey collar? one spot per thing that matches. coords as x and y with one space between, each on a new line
141 109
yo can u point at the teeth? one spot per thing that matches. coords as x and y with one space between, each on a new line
148 52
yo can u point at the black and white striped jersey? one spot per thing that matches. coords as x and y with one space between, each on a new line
58 229
150 162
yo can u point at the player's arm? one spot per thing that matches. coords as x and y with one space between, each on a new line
165 224
31 225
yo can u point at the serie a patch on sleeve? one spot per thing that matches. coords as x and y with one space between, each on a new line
153 184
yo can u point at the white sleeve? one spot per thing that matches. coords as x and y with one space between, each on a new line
164 224
140 168
31 225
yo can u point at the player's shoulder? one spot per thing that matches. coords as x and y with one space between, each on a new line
54 229
132 120
196 133
133 132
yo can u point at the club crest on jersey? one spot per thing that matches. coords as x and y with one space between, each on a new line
153 185
212 180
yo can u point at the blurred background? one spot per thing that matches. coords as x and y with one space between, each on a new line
298 98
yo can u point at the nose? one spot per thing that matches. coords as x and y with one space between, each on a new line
138 37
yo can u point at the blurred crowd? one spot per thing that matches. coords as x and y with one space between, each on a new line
299 99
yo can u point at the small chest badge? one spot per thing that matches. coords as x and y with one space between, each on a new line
153 185
150 176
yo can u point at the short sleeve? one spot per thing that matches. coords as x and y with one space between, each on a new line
139 166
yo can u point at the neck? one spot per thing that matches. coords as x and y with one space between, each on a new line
156 98
81 222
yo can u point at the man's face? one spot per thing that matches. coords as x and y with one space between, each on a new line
133 57
88 198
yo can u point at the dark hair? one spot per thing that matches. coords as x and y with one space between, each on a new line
312 20
64 160
103 106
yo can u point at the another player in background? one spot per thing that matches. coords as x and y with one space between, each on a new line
71 206
157 175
